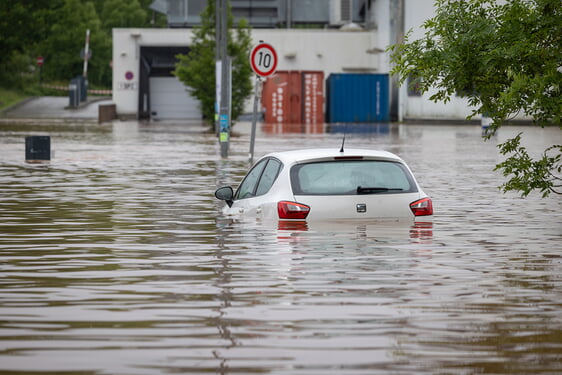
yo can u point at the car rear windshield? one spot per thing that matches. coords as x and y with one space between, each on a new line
351 177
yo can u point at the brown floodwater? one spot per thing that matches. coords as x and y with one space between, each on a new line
116 259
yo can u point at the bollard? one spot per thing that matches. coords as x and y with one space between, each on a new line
82 83
37 149
73 94
106 113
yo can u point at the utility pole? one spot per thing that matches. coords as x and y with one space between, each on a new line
224 111
396 37
218 64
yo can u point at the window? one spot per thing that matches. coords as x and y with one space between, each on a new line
268 176
260 179
351 177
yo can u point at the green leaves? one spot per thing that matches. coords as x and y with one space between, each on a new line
56 29
506 59
197 68
525 174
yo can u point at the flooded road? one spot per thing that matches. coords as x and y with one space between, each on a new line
115 259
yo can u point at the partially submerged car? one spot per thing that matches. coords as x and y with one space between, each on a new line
328 184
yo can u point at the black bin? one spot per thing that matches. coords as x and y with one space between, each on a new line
83 87
74 93
37 148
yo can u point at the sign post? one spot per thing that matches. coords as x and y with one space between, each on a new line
263 60
40 62
86 54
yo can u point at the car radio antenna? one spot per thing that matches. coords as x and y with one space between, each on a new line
343 140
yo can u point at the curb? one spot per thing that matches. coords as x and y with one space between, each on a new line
17 105
88 102
13 112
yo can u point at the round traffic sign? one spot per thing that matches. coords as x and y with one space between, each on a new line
263 59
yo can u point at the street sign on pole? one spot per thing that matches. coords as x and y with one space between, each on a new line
40 62
224 110
263 59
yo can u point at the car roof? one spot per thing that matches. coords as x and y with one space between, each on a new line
298 156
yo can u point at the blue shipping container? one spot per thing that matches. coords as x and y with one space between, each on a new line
356 97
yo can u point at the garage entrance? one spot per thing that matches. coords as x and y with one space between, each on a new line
171 100
161 95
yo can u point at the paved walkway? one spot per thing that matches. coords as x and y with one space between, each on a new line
55 107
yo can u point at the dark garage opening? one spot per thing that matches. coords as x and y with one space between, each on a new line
161 95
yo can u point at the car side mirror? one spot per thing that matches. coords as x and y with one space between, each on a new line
226 194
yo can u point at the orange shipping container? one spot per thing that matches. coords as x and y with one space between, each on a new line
313 93
294 97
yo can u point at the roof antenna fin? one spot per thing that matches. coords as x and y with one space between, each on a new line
343 140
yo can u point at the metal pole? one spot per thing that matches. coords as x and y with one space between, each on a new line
218 65
86 51
255 118
396 37
224 120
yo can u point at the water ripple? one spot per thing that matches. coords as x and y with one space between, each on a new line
116 259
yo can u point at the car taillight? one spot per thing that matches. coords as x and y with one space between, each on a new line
292 210
422 207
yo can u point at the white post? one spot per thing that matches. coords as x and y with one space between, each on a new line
86 52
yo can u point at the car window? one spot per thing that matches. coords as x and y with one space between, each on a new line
260 179
248 185
340 177
268 176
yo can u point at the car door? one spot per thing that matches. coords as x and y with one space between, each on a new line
252 192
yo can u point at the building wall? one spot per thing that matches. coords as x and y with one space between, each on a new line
421 107
329 51
126 61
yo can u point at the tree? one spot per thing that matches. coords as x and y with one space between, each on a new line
119 13
56 29
196 69
22 25
506 58
66 39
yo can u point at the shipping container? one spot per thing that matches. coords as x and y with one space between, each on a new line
313 93
294 97
357 97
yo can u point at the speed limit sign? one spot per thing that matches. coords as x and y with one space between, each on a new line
263 59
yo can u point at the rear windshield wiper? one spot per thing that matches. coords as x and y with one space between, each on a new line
375 190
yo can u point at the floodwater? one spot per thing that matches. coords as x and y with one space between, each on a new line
115 259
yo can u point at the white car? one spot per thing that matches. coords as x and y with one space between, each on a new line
328 184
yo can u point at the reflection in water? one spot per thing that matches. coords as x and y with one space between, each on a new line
116 259
360 128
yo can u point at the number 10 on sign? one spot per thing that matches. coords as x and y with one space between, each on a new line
263 59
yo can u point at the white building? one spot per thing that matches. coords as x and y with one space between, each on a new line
143 59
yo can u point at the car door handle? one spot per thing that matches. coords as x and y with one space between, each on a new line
258 210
